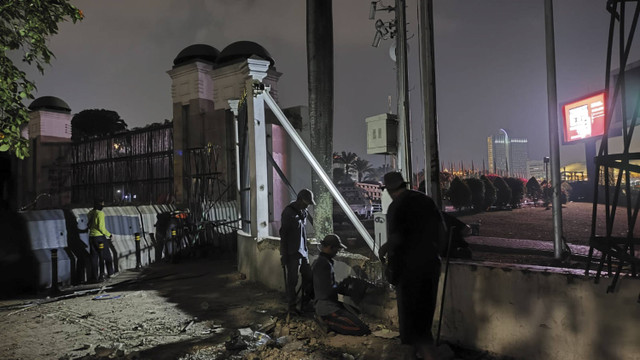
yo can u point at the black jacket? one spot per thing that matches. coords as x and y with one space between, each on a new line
293 234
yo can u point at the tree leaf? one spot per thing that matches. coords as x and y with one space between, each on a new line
27 26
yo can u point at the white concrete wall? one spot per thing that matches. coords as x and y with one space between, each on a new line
260 261
532 313
526 312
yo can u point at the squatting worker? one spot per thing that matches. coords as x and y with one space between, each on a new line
99 241
331 311
414 226
294 254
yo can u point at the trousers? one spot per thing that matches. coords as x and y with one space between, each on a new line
344 322
294 265
99 247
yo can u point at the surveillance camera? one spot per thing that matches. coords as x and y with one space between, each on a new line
376 39
372 10
381 27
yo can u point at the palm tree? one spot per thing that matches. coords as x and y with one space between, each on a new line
348 159
362 166
339 177
378 173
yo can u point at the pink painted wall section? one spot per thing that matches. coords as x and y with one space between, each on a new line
280 190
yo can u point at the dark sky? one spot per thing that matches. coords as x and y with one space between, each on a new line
490 63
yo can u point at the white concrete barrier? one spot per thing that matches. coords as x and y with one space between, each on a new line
531 312
122 222
46 230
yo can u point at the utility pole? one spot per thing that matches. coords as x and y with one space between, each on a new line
404 123
554 141
427 62
399 30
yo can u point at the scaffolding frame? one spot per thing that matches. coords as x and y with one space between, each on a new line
620 248
138 162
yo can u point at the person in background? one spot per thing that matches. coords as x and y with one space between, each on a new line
294 254
99 242
415 227
328 309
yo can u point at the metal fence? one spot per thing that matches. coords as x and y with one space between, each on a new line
136 166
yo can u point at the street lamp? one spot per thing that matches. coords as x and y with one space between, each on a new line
546 169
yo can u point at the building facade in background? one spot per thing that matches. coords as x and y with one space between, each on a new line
185 161
536 169
507 156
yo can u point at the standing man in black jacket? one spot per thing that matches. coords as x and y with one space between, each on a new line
294 254
415 225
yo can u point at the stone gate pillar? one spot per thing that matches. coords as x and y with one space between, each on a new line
257 70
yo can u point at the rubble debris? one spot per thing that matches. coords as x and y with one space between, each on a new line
106 297
186 327
386 334
83 347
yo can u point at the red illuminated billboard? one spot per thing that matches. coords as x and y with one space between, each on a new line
584 119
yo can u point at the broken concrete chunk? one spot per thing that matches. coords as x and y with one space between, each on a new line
386 334
104 350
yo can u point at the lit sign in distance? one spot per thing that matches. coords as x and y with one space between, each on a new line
584 119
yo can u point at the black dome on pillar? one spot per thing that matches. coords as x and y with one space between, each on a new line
241 50
197 52
49 103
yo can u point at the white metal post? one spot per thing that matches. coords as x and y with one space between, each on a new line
319 170
233 104
257 149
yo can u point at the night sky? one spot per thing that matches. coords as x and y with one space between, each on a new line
490 63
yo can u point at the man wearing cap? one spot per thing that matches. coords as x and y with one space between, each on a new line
294 254
328 308
415 225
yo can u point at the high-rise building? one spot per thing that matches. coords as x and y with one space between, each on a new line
507 156
519 155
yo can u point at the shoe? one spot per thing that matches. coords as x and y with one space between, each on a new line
321 324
